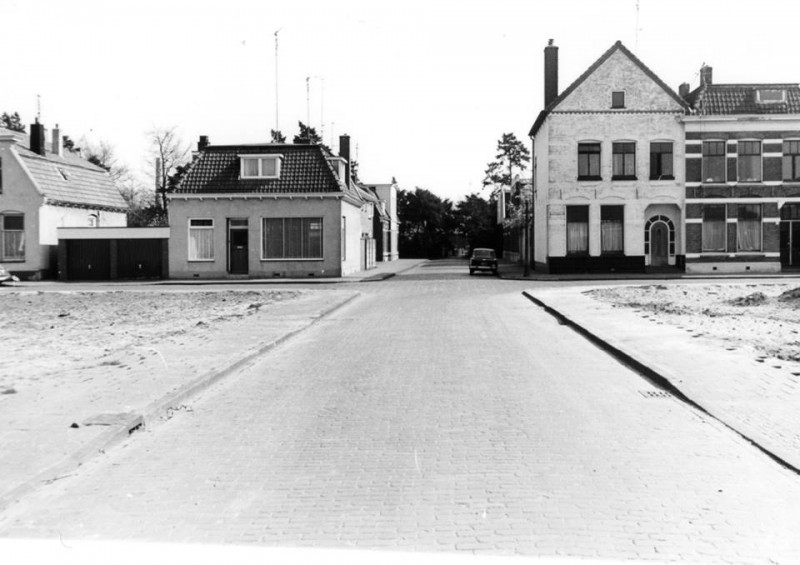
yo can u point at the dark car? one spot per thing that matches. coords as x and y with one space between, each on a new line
483 259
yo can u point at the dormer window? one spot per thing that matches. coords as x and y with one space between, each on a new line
339 166
618 99
260 166
770 95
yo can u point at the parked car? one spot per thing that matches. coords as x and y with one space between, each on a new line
483 259
5 276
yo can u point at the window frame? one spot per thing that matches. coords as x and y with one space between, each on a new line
606 209
724 221
306 223
190 228
760 100
794 162
708 156
742 157
16 258
584 208
624 161
657 161
259 158
617 93
583 147
757 221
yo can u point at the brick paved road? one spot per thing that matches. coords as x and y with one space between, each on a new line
438 412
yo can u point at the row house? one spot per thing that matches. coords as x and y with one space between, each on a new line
608 191
630 175
742 177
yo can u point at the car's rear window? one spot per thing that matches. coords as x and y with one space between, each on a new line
484 253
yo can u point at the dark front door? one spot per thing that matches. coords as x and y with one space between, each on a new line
237 247
790 244
659 245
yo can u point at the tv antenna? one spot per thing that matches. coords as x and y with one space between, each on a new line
277 124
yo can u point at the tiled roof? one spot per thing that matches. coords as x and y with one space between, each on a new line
716 99
68 179
304 169
617 46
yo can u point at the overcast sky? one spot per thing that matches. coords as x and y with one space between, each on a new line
424 88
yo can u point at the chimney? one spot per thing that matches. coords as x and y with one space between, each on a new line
202 143
57 147
344 153
37 138
683 90
550 73
705 75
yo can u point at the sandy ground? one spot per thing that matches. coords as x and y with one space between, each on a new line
762 318
47 335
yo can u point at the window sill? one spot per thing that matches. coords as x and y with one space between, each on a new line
618 178
612 254
589 178
201 260
662 177
13 260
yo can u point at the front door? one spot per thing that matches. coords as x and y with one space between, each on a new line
790 236
659 244
237 247
790 244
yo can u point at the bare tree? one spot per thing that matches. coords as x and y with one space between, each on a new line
104 155
167 152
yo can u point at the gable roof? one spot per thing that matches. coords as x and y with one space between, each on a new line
726 99
68 179
304 170
618 46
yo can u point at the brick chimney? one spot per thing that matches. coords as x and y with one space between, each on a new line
37 138
550 73
202 143
705 75
683 90
57 147
344 153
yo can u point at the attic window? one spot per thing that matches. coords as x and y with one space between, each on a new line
260 166
618 99
770 96
63 173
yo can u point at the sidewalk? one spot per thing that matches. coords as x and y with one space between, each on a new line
758 400
382 271
515 271
52 426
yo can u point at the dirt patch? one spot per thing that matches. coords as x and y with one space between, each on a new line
762 318
45 334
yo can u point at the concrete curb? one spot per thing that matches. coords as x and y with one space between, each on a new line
660 376
118 433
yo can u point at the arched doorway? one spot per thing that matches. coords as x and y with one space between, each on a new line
659 240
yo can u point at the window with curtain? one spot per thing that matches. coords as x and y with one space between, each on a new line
291 238
261 166
714 230
611 229
624 161
749 161
748 227
201 240
791 160
713 161
588 161
661 161
577 230
12 234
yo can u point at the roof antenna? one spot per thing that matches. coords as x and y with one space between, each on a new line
277 125
38 107
636 43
